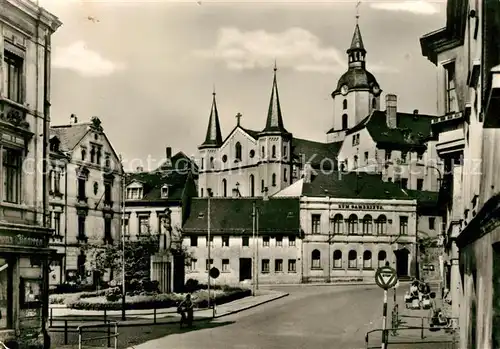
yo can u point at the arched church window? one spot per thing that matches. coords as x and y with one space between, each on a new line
252 185
374 103
273 151
344 104
274 179
344 122
285 175
224 187
237 149
263 152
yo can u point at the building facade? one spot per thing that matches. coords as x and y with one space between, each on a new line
25 32
85 197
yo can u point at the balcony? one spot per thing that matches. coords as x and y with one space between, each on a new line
450 132
13 114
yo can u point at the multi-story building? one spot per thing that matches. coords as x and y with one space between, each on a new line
85 196
457 52
25 48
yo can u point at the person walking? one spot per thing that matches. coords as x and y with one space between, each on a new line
186 309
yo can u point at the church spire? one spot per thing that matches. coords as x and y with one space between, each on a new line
274 122
357 52
214 135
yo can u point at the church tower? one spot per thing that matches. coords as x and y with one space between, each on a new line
357 93
208 151
274 147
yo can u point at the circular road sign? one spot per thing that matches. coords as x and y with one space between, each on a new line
214 273
386 277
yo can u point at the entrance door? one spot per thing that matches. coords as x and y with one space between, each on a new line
245 269
402 262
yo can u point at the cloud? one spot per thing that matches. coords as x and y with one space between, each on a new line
88 63
420 7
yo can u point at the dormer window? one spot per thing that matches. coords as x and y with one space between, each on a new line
134 193
164 191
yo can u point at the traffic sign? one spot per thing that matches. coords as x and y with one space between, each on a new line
386 277
214 273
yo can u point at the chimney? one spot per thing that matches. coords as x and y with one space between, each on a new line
139 169
307 172
391 109
415 112
73 119
169 157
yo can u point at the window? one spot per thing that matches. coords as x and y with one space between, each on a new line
144 225
84 153
273 179
263 152
344 104
420 156
374 103
279 241
355 139
125 226
164 191
202 163
389 179
212 162
352 224
404 156
265 241
381 223
13 77
292 266
265 265
367 224
273 152
366 156
80 262
237 151
344 122
92 154
193 241
432 223
107 231
81 227
245 241
107 161
12 163
367 260
262 186
337 259
451 96
316 224
57 181
82 195
382 256
225 265
107 193
420 183
404 183
132 193
388 155
252 185
291 241
201 192
338 223
192 266
352 259
211 241
403 225
285 175
225 241
224 187
209 264
57 223
316 259
278 265
98 155
285 152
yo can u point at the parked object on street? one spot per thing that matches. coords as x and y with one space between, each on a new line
185 308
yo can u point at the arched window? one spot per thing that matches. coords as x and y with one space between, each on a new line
344 122
337 259
374 103
262 186
338 224
212 162
252 185
352 259
224 187
352 224
273 177
367 260
273 151
344 104
367 224
263 152
316 259
382 256
237 150
381 224
285 175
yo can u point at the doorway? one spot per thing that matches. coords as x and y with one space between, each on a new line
245 269
402 262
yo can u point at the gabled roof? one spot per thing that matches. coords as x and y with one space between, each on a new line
352 185
70 135
180 162
153 182
413 130
234 216
319 154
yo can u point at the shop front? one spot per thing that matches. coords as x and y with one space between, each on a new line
24 260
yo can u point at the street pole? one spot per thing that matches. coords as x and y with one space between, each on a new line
254 259
123 240
208 245
384 323
257 249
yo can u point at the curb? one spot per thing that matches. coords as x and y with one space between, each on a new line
252 305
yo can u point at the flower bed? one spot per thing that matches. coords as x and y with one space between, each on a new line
66 298
165 300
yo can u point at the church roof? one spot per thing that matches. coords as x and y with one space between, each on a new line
214 134
317 153
274 121
356 78
357 41
234 216
413 130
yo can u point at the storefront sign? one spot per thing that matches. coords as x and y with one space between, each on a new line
428 267
22 240
360 207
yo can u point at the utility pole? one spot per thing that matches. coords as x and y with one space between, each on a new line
254 259
123 240
208 246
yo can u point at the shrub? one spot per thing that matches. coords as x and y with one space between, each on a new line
113 294
73 297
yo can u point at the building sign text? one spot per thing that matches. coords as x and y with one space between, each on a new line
360 207
22 240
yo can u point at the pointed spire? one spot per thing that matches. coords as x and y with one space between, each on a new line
214 135
357 52
357 40
274 121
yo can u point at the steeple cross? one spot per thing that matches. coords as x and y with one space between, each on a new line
357 10
238 117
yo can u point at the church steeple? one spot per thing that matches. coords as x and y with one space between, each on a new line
214 135
357 52
274 122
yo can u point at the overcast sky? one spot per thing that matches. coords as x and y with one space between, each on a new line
147 68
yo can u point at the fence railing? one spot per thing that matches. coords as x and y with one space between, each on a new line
93 329
411 338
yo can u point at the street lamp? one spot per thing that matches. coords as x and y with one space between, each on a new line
123 240
255 235
209 243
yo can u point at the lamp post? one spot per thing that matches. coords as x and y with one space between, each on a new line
209 243
254 259
123 241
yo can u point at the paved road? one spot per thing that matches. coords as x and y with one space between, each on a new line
311 317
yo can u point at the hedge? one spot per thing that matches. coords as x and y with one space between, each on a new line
73 297
165 300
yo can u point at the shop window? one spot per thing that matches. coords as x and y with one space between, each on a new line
12 163
6 289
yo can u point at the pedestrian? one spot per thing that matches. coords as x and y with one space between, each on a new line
185 308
